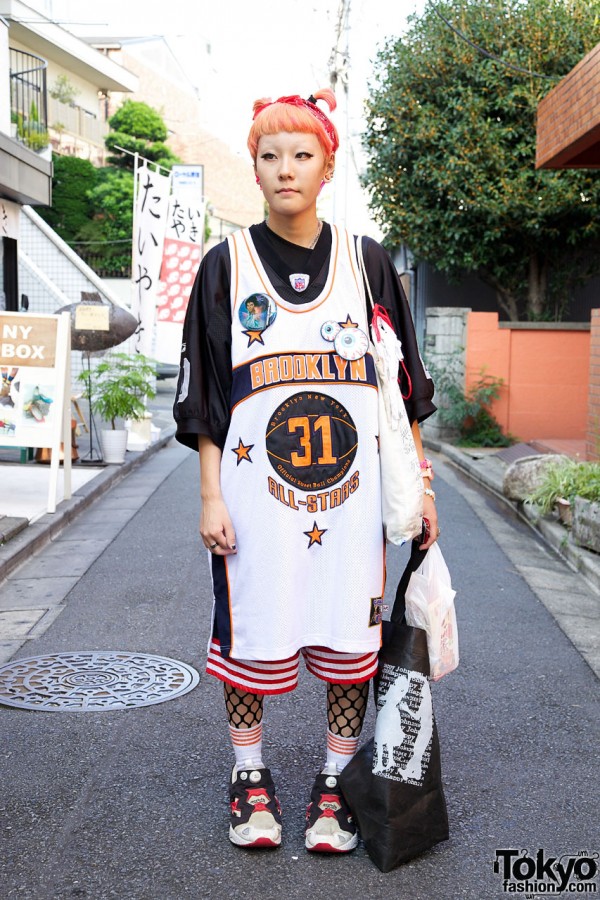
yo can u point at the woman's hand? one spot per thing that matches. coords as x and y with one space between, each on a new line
216 527
430 515
429 511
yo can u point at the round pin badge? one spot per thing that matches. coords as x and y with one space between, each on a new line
351 343
257 312
330 330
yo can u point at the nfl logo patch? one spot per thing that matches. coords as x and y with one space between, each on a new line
299 281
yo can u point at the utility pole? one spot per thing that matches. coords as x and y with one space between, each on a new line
339 65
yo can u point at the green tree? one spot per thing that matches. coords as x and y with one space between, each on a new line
71 207
451 150
138 128
105 239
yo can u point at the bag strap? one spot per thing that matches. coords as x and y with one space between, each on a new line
416 558
363 270
378 312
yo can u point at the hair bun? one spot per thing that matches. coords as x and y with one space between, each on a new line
328 96
260 104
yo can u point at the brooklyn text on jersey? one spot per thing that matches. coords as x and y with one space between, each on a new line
270 371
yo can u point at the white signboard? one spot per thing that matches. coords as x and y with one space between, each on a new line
35 388
188 178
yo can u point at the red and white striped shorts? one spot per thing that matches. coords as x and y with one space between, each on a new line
282 676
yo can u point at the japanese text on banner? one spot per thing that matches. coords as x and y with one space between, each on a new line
181 259
149 232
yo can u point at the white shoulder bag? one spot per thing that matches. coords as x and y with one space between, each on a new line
401 480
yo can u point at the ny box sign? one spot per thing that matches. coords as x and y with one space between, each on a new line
28 340
35 388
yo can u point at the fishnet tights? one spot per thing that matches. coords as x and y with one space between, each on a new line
346 707
244 709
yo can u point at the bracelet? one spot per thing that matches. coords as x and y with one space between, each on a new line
426 467
429 493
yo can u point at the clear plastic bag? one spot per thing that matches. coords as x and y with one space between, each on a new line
430 606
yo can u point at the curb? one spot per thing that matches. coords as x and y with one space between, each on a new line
581 560
33 537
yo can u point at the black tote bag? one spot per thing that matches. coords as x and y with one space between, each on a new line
393 785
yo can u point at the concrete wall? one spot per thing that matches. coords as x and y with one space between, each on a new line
445 342
545 368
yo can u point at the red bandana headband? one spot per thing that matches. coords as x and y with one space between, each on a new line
312 107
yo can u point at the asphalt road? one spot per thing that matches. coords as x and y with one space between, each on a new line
133 804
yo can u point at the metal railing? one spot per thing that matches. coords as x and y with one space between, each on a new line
28 99
74 120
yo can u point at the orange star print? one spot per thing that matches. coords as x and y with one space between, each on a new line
243 451
314 536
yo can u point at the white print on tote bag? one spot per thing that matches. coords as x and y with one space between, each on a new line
404 726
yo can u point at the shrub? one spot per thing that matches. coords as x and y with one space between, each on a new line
469 412
567 479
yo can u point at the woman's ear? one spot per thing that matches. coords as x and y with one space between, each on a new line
329 168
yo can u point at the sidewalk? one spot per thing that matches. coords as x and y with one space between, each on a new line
486 468
28 532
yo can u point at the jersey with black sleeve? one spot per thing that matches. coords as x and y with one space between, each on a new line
300 471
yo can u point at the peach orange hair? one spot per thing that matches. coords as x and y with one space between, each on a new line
295 114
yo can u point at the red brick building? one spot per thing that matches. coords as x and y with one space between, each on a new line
568 137
568 119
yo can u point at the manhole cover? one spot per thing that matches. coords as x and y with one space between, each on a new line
93 681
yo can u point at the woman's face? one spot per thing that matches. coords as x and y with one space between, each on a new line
291 168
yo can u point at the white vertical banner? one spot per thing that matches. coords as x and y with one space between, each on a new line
183 250
149 225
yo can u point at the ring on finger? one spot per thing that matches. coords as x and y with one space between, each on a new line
212 546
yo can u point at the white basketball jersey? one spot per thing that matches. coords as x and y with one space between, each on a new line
300 468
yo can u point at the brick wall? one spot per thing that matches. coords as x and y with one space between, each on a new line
568 118
593 427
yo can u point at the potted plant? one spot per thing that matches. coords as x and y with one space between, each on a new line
117 389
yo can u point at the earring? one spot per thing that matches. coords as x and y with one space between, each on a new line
257 180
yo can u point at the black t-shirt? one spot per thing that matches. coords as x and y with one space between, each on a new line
206 350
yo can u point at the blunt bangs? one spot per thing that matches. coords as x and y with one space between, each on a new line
285 117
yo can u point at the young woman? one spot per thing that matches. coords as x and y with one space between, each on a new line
282 408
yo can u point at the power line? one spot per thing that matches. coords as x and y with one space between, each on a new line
486 53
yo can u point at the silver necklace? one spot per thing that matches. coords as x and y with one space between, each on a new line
317 235
314 241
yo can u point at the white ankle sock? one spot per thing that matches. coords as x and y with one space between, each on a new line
340 751
247 746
